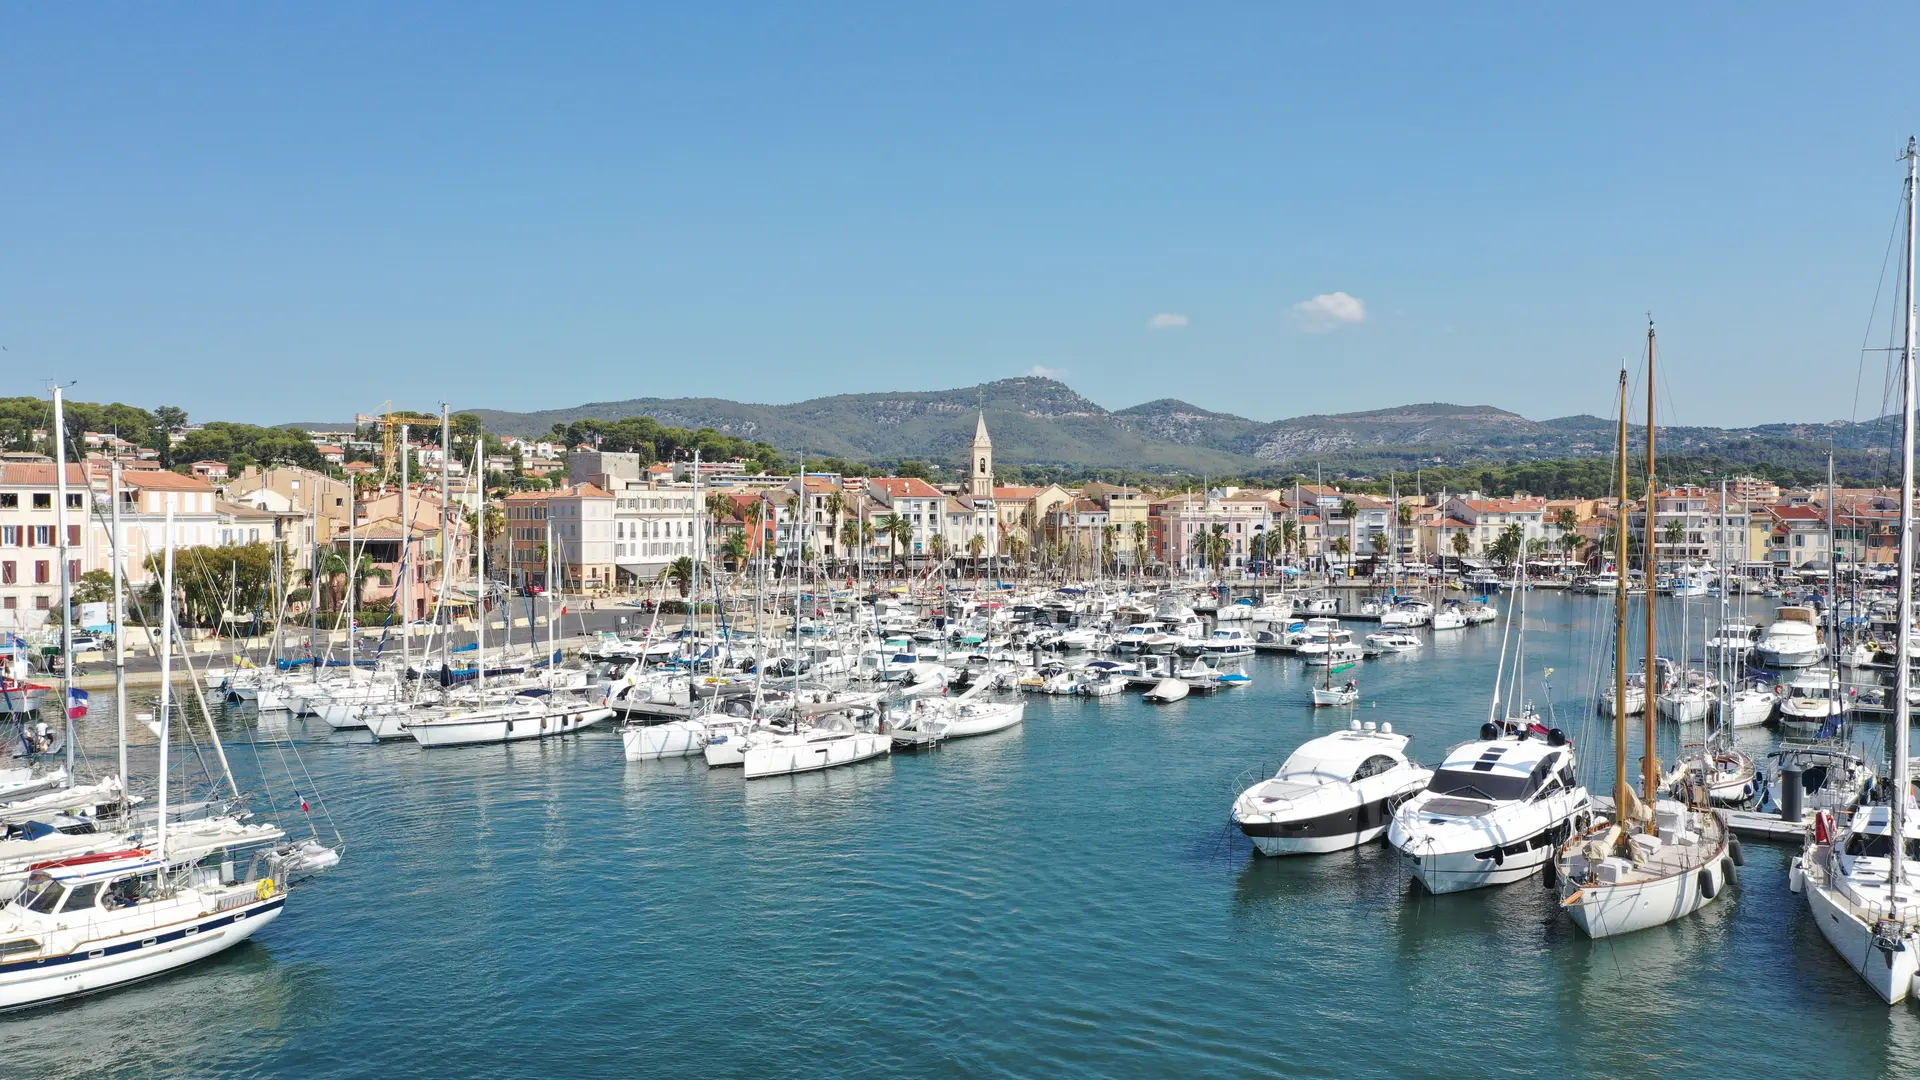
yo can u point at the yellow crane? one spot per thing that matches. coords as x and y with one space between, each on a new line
391 422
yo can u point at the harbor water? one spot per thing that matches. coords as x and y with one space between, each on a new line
1063 899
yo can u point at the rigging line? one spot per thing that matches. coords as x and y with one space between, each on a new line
1879 286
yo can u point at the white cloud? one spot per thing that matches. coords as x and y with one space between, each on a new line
1167 320
1329 311
1041 371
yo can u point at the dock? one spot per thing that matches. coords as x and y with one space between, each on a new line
1750 824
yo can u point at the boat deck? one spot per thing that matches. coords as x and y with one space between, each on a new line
1747 823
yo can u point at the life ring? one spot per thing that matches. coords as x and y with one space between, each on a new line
265 890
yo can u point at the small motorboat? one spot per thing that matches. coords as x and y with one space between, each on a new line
1331 695
1168 690
1394 641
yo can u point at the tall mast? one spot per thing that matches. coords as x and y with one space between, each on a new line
119 626
1650 762
1833 577
1903 671
406 546
66 574
166 671
446 535
1620 787
480 582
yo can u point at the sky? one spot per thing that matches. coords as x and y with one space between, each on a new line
272 213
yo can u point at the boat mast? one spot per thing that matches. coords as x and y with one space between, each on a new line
406 547
1903 669
166 673
446 539
66 575
480 584
1620 788
1650 762
119 628
1833 581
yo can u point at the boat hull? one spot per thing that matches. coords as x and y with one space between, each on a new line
131 957
1601 911
1887 967
786 758
674 739
478 730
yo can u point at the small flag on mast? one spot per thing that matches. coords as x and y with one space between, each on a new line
76 703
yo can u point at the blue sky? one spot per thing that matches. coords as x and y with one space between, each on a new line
267 213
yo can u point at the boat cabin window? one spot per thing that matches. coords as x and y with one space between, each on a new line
1544 781
81 897
125 892
1879 846
1374 766
41 896
1468 784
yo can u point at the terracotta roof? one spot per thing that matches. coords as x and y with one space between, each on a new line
37 474
1505 506
162 480
1016 492
908 487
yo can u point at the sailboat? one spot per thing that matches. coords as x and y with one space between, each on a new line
91 922
1658 859
1327 694
1860 887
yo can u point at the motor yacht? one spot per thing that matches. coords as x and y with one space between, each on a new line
1335 792
1394 641
1812 699
1494 812
1792 640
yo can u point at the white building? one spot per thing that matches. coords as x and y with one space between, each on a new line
652 526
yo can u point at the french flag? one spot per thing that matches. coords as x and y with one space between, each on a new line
76 703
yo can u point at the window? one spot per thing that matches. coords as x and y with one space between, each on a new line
1470 784
9 501
43 500
9 573
73 535
42 572
43 535
43 897
9 536
1374 766
74 500
81 897
73 570
42 603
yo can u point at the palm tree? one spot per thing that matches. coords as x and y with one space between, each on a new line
1461 544
976 545
1507 546
898 533
835 504
937 547
1341 547
735 548
850 531
1016 546
1139 544
1289 536
1379 545
1108 556
1674 533
680 572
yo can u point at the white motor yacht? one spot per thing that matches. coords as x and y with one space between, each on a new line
1494 811
1394 641
1814 697
1791 641
1407 613
1335 792
1735 639
1449 617
1230 641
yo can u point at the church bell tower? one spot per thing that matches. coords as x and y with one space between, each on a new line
980 480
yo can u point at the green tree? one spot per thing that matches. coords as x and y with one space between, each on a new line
1462 544
94 587
680 572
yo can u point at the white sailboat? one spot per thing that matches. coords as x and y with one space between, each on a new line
1860 885
1661 859
91 922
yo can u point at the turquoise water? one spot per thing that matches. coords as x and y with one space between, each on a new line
1064 899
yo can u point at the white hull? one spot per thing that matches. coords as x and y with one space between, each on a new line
129 957
798 754
1607 910
1335 697
674 739
985 719
1890 971
1167 690
725 751
505 725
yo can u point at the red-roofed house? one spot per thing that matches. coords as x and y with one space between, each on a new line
210 470
581 518
1491 517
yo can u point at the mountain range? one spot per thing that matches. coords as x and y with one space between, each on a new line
1041 421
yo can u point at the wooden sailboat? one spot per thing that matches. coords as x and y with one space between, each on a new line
1657 859
1856 876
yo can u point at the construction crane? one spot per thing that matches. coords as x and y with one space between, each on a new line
391 421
